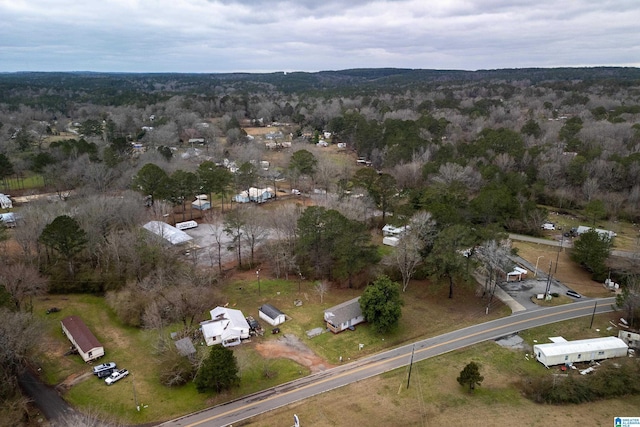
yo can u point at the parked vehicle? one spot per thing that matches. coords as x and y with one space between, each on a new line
104 367
106 373
116 376
573 294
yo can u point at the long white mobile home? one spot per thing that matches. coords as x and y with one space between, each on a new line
568 352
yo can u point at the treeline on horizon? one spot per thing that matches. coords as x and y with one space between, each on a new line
115 88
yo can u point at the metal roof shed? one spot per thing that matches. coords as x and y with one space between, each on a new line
560 353
271 315
168 232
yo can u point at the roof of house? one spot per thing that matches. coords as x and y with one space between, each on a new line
343 312
270 311
167 232
225 322
81 334
585 346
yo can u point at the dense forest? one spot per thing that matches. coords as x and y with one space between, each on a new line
460 157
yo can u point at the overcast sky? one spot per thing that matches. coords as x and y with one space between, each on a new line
313 35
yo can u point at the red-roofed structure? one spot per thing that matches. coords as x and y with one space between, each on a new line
82 339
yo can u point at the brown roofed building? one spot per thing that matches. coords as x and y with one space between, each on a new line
82 339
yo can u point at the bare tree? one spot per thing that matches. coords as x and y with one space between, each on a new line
217 231
406 257
321 288
254 232
494 258
22 282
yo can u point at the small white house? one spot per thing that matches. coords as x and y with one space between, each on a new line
390 241
568 352
344 316
201 203
82 339
260 195
227 327
271 315
392 231
242 197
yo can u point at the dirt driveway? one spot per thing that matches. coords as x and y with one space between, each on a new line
290 347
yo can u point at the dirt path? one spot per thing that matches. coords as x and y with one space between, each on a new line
290 347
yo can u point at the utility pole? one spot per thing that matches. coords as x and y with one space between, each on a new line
258 274
546 292
410 365
559 250
593 314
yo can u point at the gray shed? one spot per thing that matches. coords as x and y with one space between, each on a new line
185 347
344 316
271 315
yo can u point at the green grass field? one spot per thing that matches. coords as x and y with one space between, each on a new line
14 184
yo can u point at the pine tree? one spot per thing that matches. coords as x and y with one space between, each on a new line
219 371
470 375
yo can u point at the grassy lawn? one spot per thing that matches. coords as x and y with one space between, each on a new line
427 312
435 398
13 184
133 349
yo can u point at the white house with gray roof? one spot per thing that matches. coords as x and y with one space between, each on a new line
344 316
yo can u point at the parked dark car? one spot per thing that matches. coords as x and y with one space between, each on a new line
104 367
106 373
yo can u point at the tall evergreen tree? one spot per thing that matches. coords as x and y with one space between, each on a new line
219 371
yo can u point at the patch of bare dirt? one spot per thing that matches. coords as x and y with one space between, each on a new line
290 347
72 380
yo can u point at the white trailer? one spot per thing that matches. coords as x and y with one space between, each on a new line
569 352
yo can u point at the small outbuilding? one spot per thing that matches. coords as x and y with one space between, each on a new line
569 352
344 316
5 202
632 339
185 347
82 339
517 274
390 240
201 203
271 315
8 219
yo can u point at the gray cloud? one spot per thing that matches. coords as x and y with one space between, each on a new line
310 35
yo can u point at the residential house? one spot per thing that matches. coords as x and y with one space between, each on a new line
563 352
227 327
344 316
82 339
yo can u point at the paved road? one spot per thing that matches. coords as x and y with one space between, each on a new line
53 407
282 395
